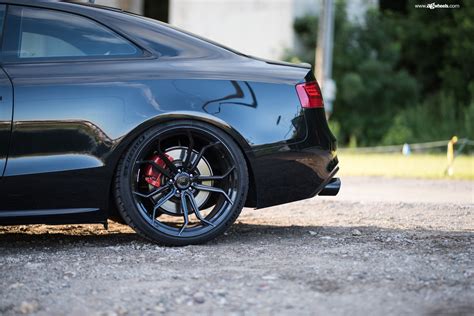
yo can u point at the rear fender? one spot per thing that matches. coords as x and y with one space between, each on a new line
185 115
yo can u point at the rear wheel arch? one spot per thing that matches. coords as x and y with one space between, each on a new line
149 124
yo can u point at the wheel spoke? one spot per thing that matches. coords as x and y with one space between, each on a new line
189 152
157 191
168 163
156 166
196 209
209 178
201 153
165 159
184 207
184 180
212 189
162 201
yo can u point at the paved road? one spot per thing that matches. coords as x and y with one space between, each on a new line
383 247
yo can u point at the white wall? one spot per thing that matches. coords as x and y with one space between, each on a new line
135 6
355 9
261 28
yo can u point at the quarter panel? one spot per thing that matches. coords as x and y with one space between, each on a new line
72 122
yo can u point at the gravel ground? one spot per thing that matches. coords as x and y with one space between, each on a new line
383 246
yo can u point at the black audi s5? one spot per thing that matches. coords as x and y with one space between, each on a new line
109 115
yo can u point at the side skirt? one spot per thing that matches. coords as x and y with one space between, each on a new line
54 216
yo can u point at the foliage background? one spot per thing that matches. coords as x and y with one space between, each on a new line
402 75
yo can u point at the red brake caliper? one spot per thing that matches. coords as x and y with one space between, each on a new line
153 176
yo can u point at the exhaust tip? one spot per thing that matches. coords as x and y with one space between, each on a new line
332 188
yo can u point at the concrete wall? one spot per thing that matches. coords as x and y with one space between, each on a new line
257 27
135 6
355 8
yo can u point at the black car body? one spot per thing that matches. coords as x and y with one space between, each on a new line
66 121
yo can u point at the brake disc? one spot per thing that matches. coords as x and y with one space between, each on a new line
178 155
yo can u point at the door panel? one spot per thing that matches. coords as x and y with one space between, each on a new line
6 110
63 127
6 107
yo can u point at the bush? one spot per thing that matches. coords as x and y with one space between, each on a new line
434 119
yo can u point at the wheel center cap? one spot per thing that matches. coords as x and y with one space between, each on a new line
183 181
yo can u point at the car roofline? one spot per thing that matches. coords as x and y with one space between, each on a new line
55 3
73 6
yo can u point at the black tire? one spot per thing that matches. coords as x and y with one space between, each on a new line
141 212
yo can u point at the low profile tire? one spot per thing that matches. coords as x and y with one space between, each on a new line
181 183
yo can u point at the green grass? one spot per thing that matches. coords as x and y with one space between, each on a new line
431 166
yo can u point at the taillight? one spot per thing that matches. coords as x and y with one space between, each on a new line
310 95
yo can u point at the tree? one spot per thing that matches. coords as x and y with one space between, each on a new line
369 85
400 72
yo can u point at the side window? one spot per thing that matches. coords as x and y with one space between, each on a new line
35 33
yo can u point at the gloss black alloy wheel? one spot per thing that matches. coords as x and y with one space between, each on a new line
181 183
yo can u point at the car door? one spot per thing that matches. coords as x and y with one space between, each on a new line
6 110
6 107
69 90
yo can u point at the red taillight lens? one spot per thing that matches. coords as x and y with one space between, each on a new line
310 95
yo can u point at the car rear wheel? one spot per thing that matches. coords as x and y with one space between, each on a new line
181 183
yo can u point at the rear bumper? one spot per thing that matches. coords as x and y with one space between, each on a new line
297 171
293 175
